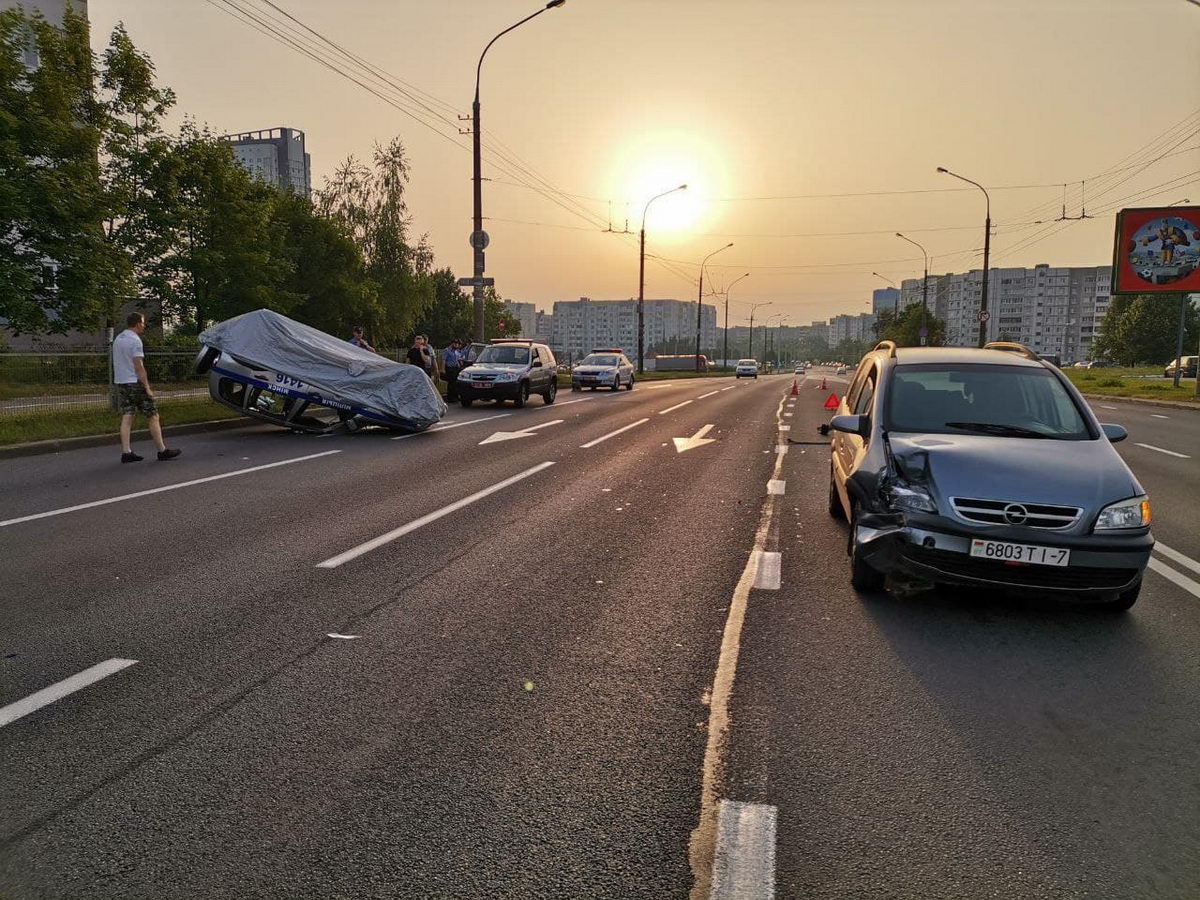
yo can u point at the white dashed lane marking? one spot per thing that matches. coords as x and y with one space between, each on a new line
1136 444
76 682
744 862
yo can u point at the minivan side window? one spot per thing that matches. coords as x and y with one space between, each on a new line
548 356
856 385
862 406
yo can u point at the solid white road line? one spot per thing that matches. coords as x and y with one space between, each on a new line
375 543
709 394
770 571
1149 447
776 486
1176 557
702 843
601 440
46 696
744 864
663 412
405 437
1157 416
167 487
1188 584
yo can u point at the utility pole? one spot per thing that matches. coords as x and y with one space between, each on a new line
700 298
479 238
641 307
984 314
924 290
725 348
1183 300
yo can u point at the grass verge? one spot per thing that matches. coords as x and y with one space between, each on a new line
1119 383
44 426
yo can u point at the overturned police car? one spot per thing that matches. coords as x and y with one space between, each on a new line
265 365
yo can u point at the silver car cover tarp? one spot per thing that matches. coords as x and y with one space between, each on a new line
331 366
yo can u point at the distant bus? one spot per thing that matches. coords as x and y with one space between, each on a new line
684 362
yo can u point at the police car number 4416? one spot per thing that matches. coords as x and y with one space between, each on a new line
1020 553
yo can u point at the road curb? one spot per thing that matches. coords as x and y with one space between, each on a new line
1168 404
59 445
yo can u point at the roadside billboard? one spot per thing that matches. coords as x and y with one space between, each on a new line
1157 250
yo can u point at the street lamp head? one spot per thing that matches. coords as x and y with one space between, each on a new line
554 4
682 187
899 235
943 170
730 244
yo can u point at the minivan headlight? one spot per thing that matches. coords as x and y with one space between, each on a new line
910 497
1131 513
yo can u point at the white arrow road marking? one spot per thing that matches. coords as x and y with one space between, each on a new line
513 435
696 440
375 543
76 682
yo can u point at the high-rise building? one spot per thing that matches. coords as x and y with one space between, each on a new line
51 10
884 298
584 324
276 156
544 327
526 314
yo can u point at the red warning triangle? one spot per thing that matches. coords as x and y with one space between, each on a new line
832 402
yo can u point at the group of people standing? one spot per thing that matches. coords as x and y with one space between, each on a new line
456 357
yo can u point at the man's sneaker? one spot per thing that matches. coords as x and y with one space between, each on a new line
131 457
168 454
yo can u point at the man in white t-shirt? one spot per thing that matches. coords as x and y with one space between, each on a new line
133 388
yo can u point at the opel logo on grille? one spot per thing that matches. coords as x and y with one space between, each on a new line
1015 514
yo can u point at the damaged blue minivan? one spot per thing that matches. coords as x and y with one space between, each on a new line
984 467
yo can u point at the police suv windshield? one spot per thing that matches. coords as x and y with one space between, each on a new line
504 356
597 359
994 400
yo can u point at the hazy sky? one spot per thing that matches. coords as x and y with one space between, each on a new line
741 99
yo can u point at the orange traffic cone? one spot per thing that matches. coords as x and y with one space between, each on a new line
794 392
823 387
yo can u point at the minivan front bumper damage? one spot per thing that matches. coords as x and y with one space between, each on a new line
1098 567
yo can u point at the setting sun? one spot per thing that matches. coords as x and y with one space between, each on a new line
652 166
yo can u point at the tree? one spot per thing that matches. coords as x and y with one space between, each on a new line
132 144
55 265
218 254
905 330
1142 329
368 201
324 267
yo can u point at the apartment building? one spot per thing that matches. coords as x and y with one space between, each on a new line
526 314
580 325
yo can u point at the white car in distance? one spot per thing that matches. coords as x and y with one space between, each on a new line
746 368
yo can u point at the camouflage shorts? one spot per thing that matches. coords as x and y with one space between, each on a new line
132 398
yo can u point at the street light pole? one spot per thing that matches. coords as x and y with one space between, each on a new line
987 245
750 352
479 239
642 280
924 288
700 298
725 348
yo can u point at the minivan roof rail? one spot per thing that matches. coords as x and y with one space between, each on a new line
1011 347
889 346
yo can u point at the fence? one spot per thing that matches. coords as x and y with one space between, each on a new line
33 383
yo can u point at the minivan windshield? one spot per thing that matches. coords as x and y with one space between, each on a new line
504 356
599 359
995 400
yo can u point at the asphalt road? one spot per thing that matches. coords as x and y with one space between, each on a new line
542 666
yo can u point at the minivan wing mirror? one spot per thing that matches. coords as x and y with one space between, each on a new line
537 364
859 425
1115 433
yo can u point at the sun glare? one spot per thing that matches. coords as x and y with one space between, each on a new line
651 167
